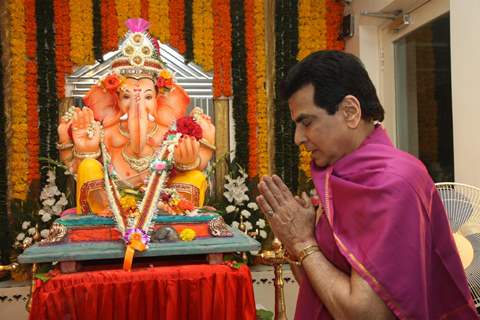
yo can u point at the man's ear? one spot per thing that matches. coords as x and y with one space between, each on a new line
351 111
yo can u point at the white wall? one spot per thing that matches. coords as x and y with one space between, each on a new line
465 55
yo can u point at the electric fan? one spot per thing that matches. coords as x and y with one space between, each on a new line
462 203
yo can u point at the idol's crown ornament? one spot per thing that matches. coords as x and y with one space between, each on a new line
139 53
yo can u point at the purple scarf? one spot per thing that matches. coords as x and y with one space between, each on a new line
384 218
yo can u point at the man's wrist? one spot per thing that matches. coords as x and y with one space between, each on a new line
300 246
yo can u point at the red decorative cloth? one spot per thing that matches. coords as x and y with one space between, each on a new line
172 292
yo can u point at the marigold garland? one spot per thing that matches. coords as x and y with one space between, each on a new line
18 158
239 83
109 26
286 49
62 44
5 242
222 49
134 9
47 90
32 112
144 9
126 9
97 30
312 27
81 32
249 10
203 34
158 11
334 20
176 14
261 94
188 30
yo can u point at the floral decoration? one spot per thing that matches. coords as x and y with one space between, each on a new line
240 83
222 49
5 242
176 16
261 94
203 33
63 62
187 234
97 30
239 208
109 25
18 157
286 48
158 12
36 227
251 73
188 126
173 203
188 31
81 32
164 81
144 9
112 82
32 94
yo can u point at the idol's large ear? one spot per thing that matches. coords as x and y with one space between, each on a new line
102 103
176 100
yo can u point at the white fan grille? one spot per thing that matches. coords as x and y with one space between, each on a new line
462 203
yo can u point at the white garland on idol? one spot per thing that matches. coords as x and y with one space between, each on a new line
167 145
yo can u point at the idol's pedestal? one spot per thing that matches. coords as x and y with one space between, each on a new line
195 291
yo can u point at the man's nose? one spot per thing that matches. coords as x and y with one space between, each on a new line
299 137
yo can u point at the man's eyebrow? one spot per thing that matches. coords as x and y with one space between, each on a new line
302 117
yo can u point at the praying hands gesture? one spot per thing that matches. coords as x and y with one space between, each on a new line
292 218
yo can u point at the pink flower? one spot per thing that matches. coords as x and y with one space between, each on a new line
159 166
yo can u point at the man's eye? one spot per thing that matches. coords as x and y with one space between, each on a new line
126 97
149 97
306 123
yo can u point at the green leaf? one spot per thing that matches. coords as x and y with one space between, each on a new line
43 276
263 314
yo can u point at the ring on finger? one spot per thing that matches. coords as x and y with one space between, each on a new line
270 212
91 130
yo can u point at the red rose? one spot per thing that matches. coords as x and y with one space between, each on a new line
188 126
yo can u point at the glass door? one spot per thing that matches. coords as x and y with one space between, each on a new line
416 79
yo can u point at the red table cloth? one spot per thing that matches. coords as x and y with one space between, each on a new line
172 292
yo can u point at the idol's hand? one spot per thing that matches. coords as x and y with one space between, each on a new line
186 152
85 131
63 136
291 219
205 122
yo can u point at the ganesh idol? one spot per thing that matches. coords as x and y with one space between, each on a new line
132 145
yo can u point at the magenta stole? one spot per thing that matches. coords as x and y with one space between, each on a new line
384 218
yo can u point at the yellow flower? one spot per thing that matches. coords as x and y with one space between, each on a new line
187 234
159 20
81 32
128 202
261 95
202 19
165 74
18 152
